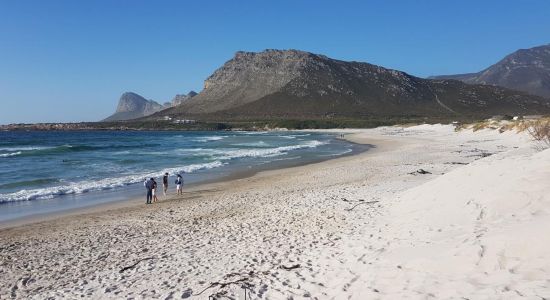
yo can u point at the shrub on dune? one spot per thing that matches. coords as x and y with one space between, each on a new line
540 131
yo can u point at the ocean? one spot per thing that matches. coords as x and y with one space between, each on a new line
49 171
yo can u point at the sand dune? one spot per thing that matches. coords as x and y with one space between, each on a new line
470 225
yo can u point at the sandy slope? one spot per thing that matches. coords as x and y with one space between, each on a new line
477 232
358 227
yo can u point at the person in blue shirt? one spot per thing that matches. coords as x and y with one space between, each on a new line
149 185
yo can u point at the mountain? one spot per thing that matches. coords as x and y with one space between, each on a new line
525 70
298 84
132 106
179 99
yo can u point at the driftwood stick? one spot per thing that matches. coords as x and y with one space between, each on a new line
245 280
296 266
223 284
420 171
369 202
135 264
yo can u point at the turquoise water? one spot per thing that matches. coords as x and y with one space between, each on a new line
58 169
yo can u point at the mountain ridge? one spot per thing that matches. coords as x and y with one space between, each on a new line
298 84
526 70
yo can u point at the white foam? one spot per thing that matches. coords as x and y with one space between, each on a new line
10 154
104 184
253 132
229 154
293 136
253 144
205 139
270 152
20 148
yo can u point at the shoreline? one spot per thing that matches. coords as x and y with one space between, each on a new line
132 201
364 226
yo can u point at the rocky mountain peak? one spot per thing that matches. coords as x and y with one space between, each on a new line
131 106
252 75
130 101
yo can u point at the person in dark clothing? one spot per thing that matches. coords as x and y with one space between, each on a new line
165 183
149 185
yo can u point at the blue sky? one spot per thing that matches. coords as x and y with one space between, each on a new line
66 61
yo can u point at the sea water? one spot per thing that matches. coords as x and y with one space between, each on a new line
48 171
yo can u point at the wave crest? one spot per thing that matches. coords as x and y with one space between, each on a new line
10 154
98 185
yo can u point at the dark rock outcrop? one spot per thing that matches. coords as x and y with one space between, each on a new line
525 70
298 84
132 106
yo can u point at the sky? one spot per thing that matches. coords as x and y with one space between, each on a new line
68 61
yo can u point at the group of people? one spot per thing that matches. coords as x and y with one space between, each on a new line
151 187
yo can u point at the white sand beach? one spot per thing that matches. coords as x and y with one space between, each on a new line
427 213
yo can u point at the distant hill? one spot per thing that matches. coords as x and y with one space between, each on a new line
132 106
525 70
298 84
